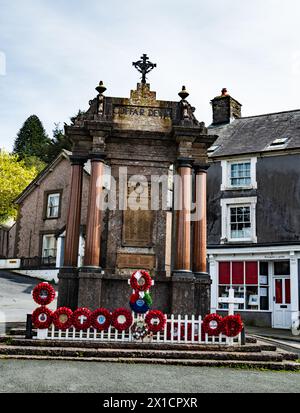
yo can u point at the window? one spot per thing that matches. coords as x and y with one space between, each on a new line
250 280
239 220
212 149
53 205
49 246
282 268
278 143
239 174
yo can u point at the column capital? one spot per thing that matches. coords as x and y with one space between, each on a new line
185 163
77 160
201 168
97 157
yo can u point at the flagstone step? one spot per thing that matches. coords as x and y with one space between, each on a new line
21 332
254 348
141 353
270 365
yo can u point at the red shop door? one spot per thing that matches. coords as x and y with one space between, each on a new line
282 303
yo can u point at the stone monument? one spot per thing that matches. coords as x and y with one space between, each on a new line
138 139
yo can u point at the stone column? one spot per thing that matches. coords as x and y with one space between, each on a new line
68 275
183 215
74 214
90 276
183 280
94 215
200 222
203 280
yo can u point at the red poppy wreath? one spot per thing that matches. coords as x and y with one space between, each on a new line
216 321
151 317
101 319
42 318
43 294
62 318
126 315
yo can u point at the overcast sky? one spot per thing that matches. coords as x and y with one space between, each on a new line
57 51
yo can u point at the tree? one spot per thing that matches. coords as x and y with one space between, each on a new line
59 142
15 176
34 161
32 140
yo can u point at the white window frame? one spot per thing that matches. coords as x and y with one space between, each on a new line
226 204
226 174
45 237
48 205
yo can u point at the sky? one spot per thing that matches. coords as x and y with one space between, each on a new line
54 53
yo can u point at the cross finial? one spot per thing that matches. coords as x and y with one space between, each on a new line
144 66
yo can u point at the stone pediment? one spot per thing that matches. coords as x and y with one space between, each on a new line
142 111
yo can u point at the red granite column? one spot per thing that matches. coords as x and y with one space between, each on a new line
183 222
93 238
200 224
74 214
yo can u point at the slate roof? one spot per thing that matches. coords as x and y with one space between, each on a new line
49 168
255 134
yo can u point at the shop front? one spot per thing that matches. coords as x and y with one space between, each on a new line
267 280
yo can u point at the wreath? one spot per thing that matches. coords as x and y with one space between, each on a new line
232 325
151 317
140 306
42 318
43 294
136 277
65 313
122 312
207 325
134 298
139 330
148 299
101 319
77 323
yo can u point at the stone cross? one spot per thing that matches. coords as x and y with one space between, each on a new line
231 301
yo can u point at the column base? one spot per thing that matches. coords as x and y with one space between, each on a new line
90 288
90 269
182 275
191 293
202 276
68 288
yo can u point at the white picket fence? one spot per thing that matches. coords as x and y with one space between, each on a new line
181 330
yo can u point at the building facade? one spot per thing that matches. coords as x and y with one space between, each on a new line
253 213
42 215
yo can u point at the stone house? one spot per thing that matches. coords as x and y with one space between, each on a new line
42 215
253 213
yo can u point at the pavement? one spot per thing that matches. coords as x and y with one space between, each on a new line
20 376
16 299
285 335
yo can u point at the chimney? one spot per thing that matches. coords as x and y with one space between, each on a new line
225 108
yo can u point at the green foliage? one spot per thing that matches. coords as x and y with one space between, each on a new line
34 161
15 176
73 118
59 142
32 140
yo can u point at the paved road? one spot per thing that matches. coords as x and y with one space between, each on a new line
15 297
19 376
